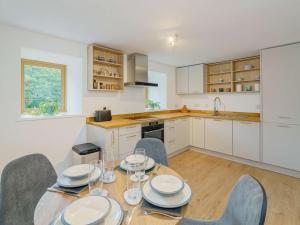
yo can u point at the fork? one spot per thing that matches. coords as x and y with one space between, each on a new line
147 213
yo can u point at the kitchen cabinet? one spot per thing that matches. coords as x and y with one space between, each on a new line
182 80
197 132
189 79
127 143
107 139
182 132
120 140
281 145
246 140
176 134
280 84
218 135
196 76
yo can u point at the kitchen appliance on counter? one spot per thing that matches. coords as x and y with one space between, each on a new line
103 115
152 127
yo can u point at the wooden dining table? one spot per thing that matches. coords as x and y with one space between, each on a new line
51 204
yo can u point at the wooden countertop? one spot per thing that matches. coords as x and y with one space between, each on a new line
118 121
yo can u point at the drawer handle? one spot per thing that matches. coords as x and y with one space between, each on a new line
132 127
283 126
284 117
132 136
217 120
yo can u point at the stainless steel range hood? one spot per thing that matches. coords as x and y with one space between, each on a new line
137 71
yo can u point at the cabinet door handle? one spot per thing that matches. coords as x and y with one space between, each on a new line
131 127
131 136
111 138
283 126
113 133
284 117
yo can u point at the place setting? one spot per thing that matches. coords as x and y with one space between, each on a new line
95 208
162 194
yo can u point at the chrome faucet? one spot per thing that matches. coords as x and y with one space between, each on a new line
216 108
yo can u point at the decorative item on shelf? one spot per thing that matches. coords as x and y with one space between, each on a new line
240 78
239 88
101 85
221 89
213 90
248 66
100 58
112 60
257 77
228 89
221 80
184 109
107 86
95 84
256 87
115 75
248 87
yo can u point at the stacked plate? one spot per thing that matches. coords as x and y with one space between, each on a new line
131 159
167 191
77 176
91 210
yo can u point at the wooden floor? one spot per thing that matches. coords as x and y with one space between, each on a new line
212 178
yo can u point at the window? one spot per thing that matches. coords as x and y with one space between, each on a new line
42 87
156 97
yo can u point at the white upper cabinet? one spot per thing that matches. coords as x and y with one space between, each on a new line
189 80
196 79
281 145
218 135
280 84
246 140
182 80
197 132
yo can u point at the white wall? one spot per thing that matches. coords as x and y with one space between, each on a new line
245 102
53 137
132 98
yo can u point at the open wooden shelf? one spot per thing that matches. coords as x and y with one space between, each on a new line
107 63
105 69
230 72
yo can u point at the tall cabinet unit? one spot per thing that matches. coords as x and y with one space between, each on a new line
281 106
189 79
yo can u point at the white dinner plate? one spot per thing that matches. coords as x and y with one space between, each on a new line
167 184
71 183
114 217
172 201
90 210
78 171
135 158
150 164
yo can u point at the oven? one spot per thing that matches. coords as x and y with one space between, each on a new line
153 129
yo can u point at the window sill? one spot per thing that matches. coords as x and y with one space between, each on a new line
26 117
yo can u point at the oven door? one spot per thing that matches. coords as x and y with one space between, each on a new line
153 132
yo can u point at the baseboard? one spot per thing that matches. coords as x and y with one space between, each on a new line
260 165
179 151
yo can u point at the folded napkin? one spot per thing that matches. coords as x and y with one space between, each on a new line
152 208
75 190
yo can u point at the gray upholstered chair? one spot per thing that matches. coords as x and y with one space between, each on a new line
23 182
155 149
247 205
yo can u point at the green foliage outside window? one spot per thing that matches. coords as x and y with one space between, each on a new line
43 89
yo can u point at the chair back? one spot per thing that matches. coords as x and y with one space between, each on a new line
23 182
155 149
247 204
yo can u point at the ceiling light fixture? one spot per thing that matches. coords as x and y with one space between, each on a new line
172 40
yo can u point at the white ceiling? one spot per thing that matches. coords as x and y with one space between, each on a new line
208 30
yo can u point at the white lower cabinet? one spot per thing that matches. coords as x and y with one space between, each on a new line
218 135
176 134
246 140
281 145
197 132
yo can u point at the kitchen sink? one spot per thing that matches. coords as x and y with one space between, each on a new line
228 115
